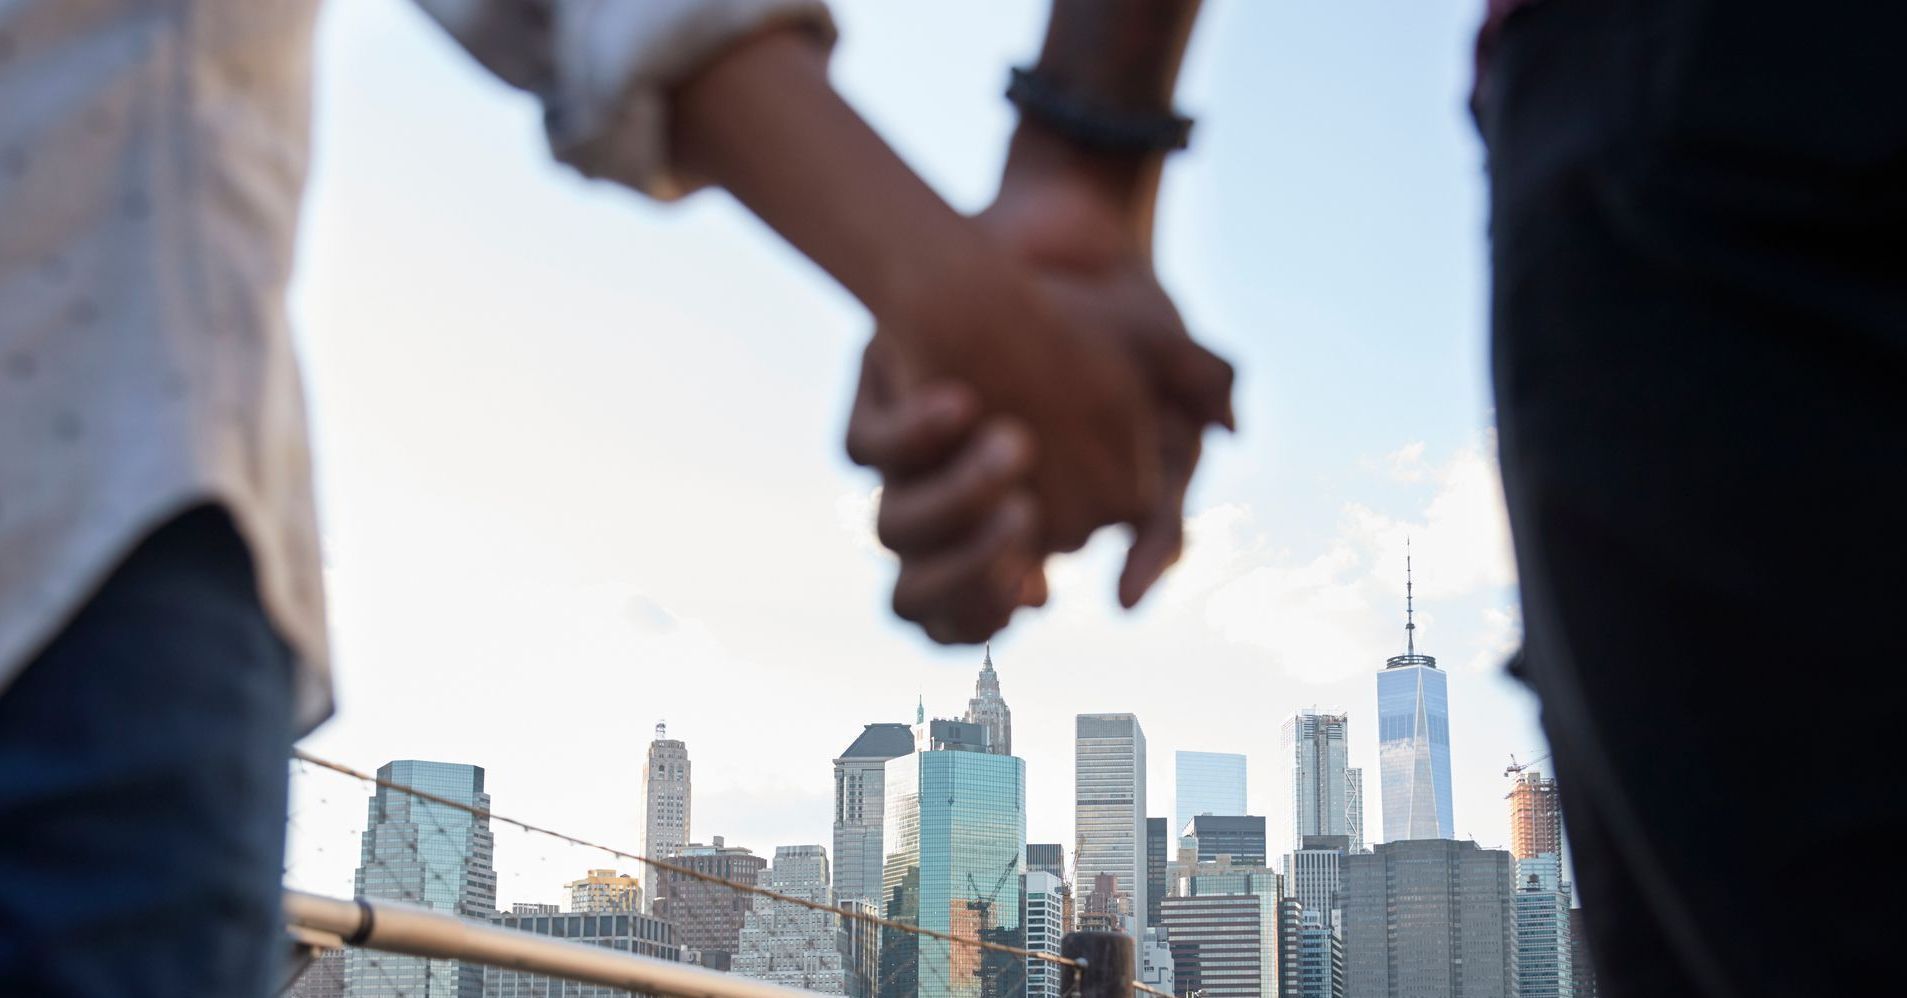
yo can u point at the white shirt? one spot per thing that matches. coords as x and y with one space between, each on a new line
152 159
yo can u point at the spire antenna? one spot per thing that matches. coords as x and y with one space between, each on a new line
988 663
920 710
1410 607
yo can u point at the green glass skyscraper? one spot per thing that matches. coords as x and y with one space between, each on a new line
428 854
955 836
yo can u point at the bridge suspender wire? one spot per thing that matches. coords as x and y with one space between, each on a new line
663 865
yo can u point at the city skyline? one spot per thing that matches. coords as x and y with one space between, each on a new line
592 528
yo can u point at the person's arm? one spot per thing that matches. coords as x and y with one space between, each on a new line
1122 56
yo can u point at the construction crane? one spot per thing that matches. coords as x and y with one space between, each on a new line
1516 769
985 905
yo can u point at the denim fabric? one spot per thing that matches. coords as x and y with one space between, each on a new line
143 784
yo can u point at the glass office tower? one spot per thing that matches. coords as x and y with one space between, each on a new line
1413 740
955 835
1206 783
428 854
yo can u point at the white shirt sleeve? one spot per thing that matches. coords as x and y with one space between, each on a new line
604 68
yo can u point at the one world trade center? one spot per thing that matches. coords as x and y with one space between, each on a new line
1413 731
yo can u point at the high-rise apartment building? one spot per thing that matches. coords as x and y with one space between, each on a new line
1429 917
1316 746
1536 816
1544 955
1044 921
989 709
605 890
1109 806
955 837
707 917
1314 875
430 854
789 944
1157 851
666 796
624 931
859 795
1240 836
1222 929
1413 739
1206 783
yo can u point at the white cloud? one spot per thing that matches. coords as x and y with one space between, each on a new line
1501 634
1323 619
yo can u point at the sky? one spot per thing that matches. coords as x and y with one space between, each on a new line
580 470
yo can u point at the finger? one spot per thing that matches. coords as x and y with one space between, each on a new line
923 513
1160 538
1198 381
968 591
912 432
1033 590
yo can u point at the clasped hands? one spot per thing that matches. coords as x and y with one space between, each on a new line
1041 388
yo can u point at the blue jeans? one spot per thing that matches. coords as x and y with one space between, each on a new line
143 784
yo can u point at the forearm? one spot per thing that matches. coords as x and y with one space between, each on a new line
1122 56
763 122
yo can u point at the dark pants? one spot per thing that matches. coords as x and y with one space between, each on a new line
1699 226
143 782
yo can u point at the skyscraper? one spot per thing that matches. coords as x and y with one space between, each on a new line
1240 836
955 835
1544 955
1354 807
989 709
1413 739
1045 925
859 795
1109 806
1049 857
1317 747
429 854
1314 875
788 944
1536 816
1429 917
1313 963
1157 837
707 917
666 793
1223 932
1206 783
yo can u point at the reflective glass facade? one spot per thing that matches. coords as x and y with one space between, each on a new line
1206 783
955 835
1316 746
430 854
1413 749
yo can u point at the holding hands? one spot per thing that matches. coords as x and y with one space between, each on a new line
982 482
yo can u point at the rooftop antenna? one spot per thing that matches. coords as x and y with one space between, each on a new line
1410 608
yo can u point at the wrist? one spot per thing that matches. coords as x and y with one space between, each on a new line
1123 185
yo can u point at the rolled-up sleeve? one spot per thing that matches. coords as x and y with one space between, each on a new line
604 69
